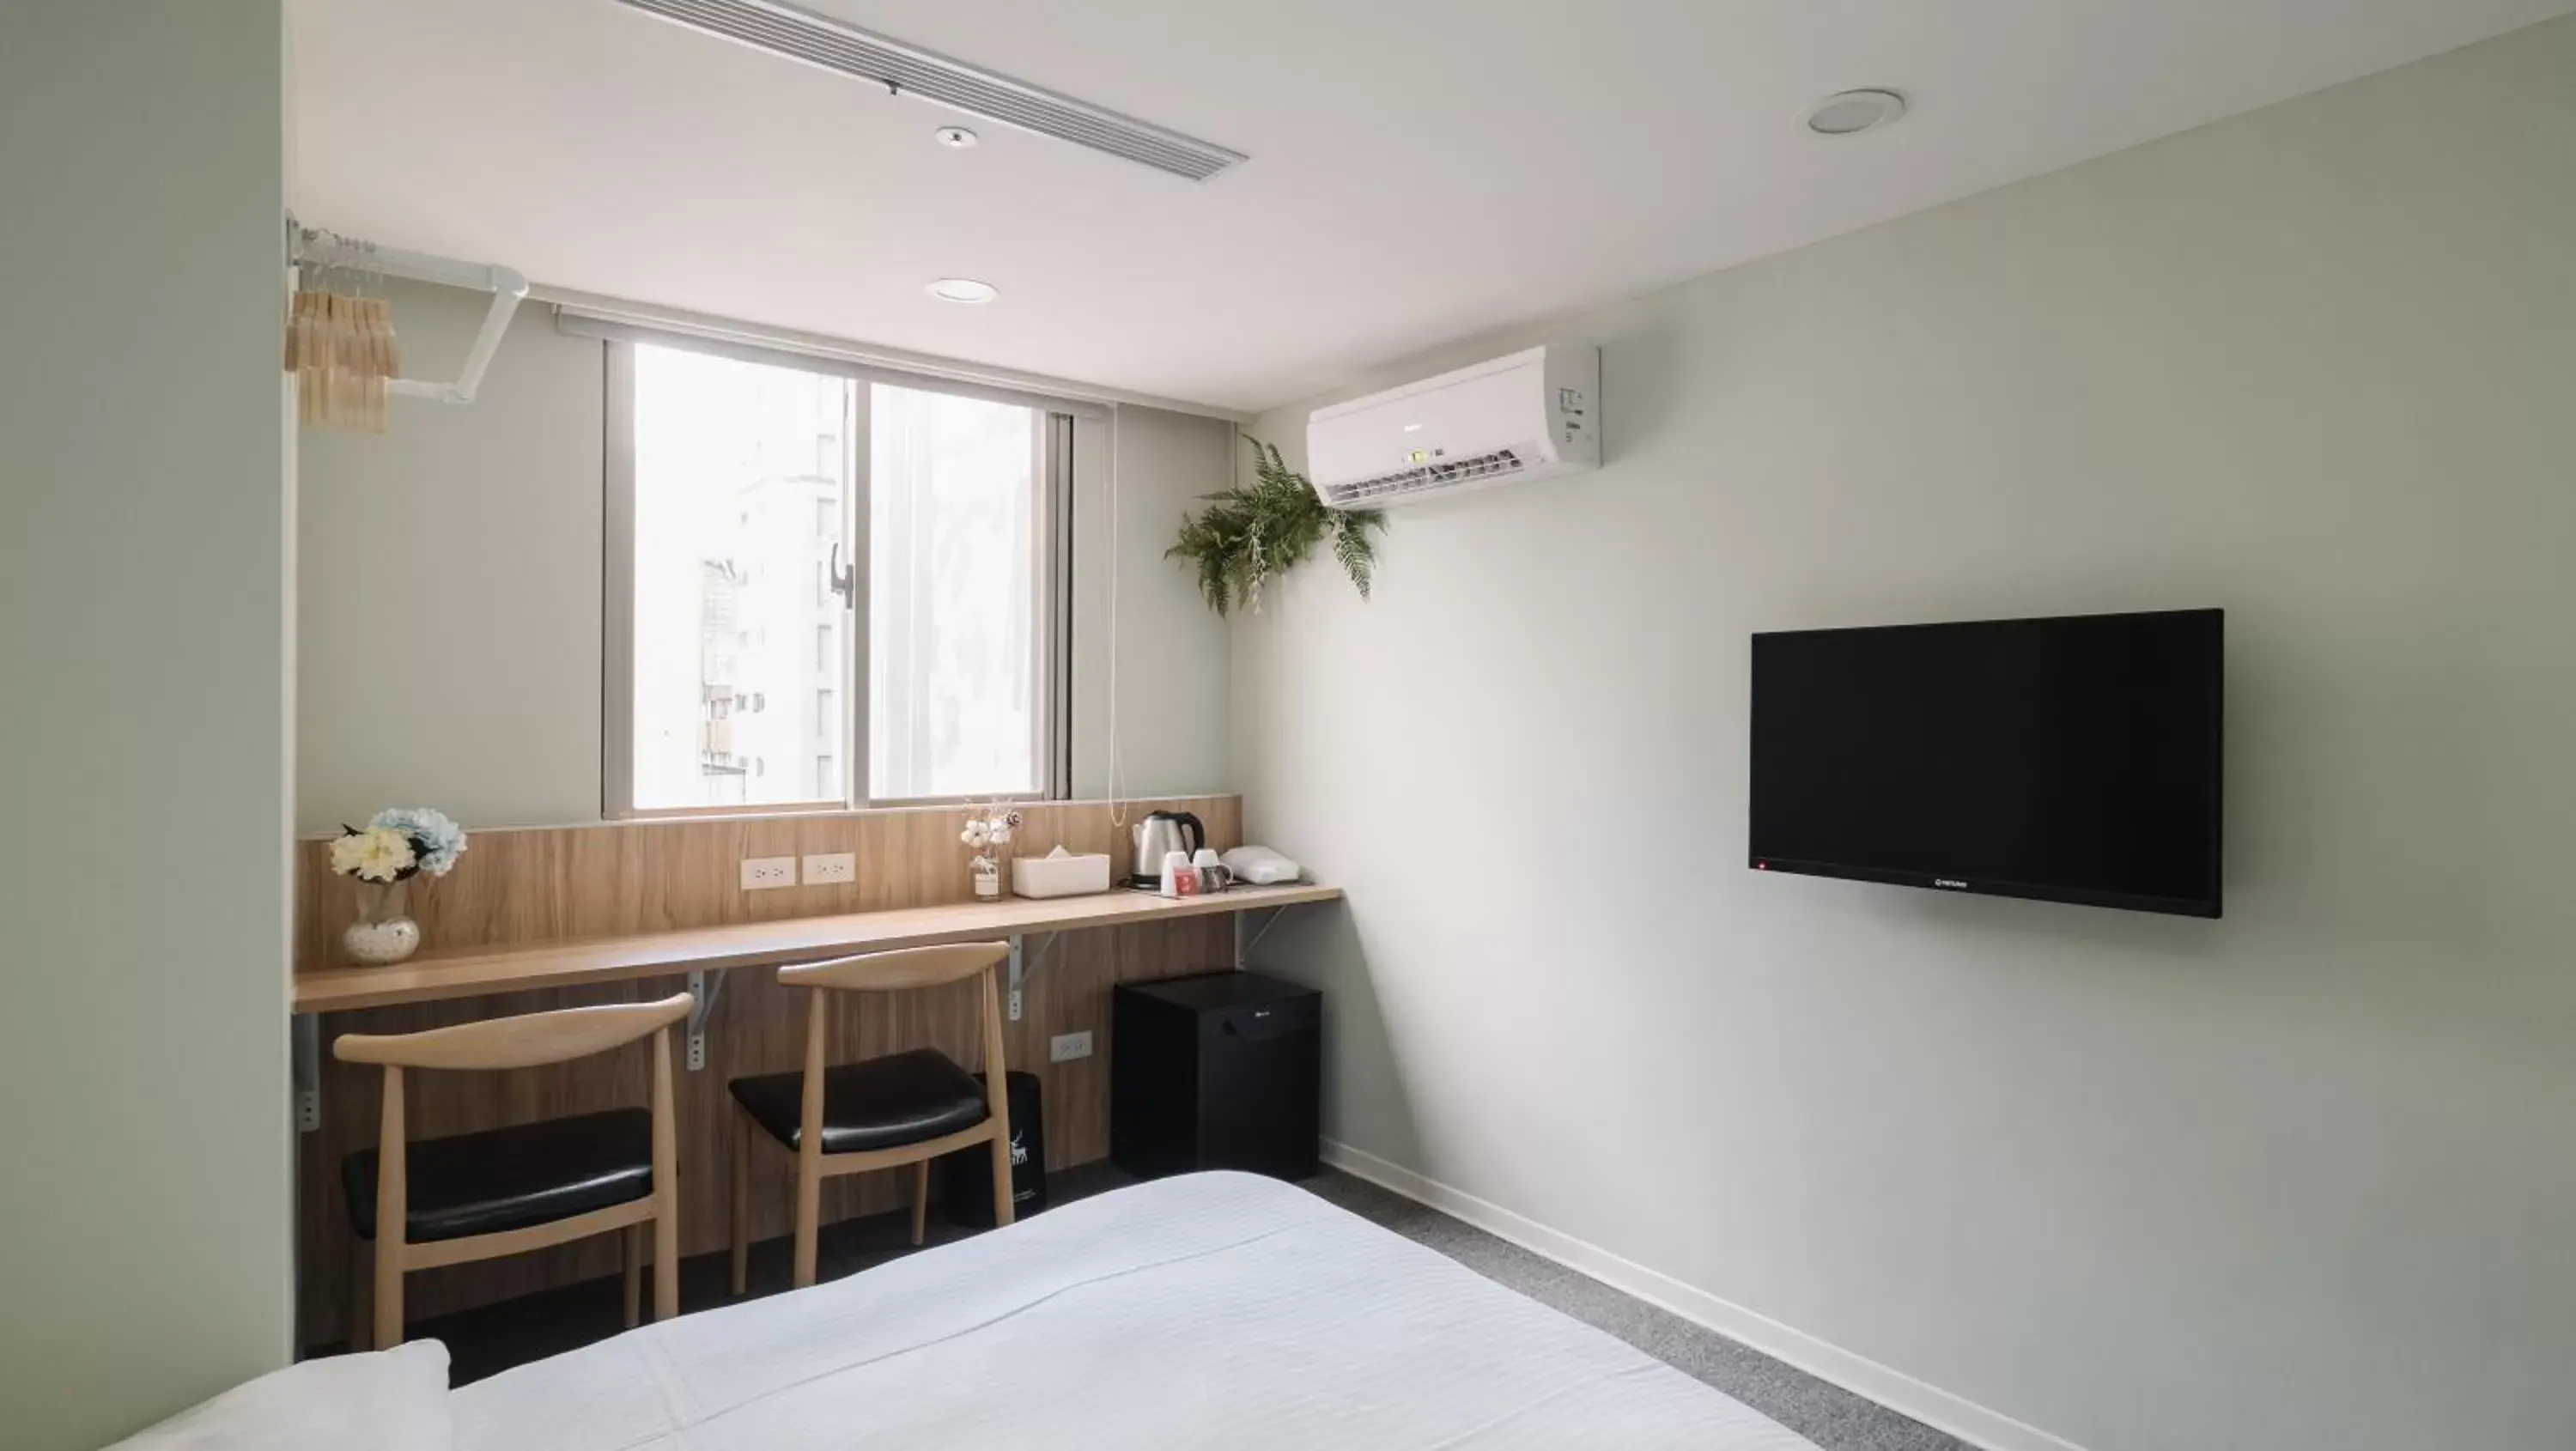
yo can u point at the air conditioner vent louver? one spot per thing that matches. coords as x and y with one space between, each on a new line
821 41
1443 475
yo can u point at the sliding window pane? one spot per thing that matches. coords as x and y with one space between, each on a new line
954 651
742 491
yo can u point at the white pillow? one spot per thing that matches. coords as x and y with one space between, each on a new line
391 1400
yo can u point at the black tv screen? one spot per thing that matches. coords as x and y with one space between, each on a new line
2072 759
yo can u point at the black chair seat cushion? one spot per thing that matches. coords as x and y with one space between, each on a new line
877 1103
484 1183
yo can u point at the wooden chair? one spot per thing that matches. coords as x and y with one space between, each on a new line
506 1191
879 1113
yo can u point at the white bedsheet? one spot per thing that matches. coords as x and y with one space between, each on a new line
1209 1310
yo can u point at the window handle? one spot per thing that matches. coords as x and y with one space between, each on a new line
844 582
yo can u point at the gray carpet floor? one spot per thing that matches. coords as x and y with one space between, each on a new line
493 1338
1825 1413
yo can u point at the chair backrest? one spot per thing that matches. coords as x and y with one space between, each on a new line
524 1041
886 972
883 972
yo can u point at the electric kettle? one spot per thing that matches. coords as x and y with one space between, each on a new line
1161 832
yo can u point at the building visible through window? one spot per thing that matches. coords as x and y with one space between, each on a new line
748 481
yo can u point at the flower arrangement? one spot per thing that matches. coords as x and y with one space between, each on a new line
396 845
988 834
399 843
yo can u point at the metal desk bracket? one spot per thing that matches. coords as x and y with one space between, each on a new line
306 1044
1245 941
706 987
1022 964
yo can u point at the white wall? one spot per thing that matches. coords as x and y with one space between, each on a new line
1171 660
2305 1177
449 617
144 500
451 588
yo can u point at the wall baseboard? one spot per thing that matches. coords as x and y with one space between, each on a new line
1860 1375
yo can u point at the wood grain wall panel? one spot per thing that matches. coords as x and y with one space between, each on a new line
534 886
646 876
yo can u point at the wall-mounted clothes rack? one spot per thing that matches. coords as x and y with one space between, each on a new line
310 245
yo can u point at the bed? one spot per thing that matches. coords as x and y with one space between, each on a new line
1206 1310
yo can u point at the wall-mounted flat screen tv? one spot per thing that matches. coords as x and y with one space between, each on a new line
2073 759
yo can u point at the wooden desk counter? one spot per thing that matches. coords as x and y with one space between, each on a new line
553 917
440 976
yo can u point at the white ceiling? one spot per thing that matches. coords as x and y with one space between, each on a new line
1421 169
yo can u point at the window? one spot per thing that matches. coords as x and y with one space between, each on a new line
903 546
954 568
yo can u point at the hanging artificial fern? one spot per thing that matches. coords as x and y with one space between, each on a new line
1251 534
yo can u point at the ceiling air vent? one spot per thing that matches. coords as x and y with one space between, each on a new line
817 40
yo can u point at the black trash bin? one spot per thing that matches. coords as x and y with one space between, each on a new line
966 1177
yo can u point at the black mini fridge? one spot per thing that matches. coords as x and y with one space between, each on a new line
1219 1071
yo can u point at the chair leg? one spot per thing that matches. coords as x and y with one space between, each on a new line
389 1294
360 1271
630 1249
741 1205
666 1255
920 1201
1001 1179
809 1215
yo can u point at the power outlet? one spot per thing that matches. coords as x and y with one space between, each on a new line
827 868
1065 1047
761 873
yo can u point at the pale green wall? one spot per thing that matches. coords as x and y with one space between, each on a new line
144 1200
2301 1178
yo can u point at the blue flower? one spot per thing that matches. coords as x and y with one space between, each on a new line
438 840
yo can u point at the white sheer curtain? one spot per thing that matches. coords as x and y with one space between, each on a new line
953 645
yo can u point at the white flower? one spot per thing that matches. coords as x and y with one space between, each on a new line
377 854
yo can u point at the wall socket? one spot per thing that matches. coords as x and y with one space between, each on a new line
1065 1047
761 873
825 868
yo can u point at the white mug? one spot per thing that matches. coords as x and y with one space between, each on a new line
1214 875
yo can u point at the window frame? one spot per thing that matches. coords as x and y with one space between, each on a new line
1051 594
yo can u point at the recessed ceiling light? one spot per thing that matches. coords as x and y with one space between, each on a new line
1849 113
963 289
955 137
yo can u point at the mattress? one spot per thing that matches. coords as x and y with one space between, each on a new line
1207 1310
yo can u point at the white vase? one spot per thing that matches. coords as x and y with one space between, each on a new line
384 931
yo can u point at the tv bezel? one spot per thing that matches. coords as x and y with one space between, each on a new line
1959 884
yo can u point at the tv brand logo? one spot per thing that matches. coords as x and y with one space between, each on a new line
1947 882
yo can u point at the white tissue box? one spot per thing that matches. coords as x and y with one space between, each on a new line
1059 876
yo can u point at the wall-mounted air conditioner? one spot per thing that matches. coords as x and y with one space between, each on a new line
1525 416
